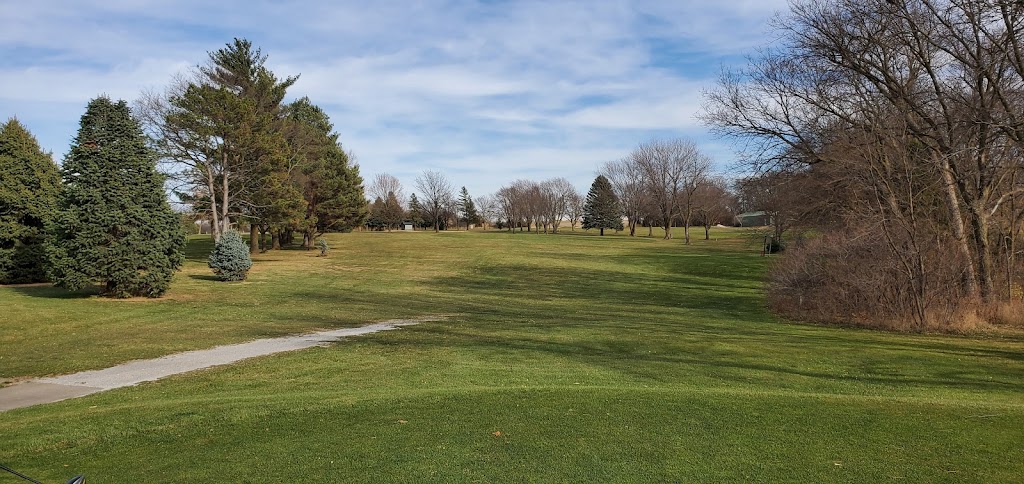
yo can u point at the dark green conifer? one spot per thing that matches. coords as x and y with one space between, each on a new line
393 212
602 207
114 225
467 209
415 212
29 185
377 218
330 181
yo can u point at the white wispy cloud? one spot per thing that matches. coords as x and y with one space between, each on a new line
485 91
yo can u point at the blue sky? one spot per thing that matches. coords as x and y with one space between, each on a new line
485 92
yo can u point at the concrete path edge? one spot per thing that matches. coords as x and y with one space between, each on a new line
55 389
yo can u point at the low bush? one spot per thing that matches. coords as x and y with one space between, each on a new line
230 257
863 278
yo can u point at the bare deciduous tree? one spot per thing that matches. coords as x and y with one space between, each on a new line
435 196
695 175
672 169
950 71
488 208
505 200
555 195
713 204
383 184
574 208
629 184
917 107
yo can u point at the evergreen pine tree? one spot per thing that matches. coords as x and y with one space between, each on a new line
393 212
230 259
602 207
350 208
415 213
29 185
376 220
468 208
329 179
114 224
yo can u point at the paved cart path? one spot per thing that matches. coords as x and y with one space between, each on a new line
54 389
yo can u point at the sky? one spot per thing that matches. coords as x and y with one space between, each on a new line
485 92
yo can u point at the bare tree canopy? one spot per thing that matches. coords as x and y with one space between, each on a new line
628 182
672 170
555 194
436 197
487 206
713 204
922 105
383 184
574 208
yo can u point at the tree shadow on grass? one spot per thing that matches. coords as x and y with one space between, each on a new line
50 292
694 314
668 360
668 287
204 277
667 314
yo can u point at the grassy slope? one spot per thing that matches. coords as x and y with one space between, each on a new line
592 358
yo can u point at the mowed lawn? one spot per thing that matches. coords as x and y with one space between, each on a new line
567 358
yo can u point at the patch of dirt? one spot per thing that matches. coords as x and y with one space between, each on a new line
6 382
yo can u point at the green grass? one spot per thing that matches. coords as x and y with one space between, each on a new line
563 358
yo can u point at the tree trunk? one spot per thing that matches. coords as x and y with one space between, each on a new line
254 245
225 220
979 232
602 231
214 216
275 240
970 280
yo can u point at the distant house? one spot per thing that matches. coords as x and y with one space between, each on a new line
753 219
407 225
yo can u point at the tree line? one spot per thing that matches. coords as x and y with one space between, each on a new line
663 183
436 207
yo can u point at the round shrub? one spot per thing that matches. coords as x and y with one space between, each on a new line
322 245
230 257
